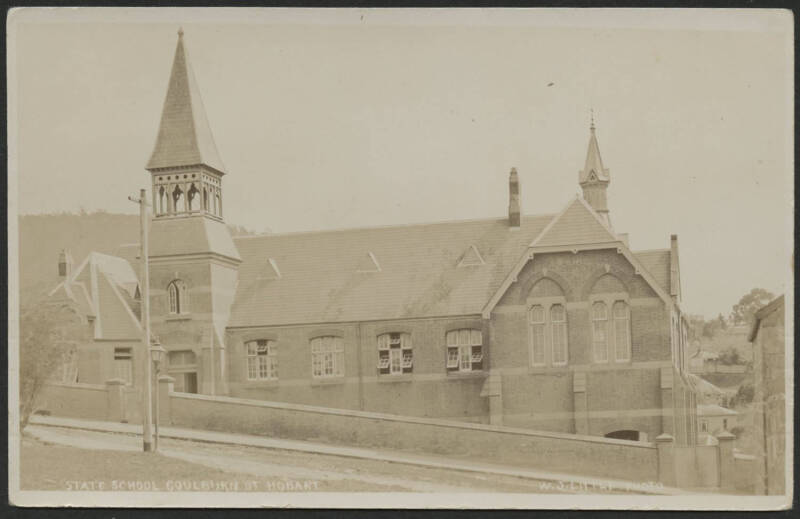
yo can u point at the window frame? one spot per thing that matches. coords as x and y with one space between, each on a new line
564 335
464 350
177 300
124 357
627 322
395 354
270 363
599 320
329 347
548 328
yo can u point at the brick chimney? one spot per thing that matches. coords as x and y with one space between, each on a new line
64 264
513 200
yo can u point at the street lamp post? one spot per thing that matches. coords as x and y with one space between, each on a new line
157 353
147 385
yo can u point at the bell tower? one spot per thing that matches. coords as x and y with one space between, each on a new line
594 178
193 259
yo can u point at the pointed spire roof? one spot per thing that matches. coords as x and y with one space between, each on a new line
184 136
593 170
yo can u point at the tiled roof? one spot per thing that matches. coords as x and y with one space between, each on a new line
419 274
184 135
657 263
576 225
191 235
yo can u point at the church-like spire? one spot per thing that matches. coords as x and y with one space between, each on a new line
184 136
594 178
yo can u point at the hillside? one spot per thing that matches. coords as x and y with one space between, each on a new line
41 238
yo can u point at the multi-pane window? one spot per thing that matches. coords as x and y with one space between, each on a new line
538 325
600 331
548 332
558 321
327 357
622 336
123 365
464 350
395 354
176 292
262 360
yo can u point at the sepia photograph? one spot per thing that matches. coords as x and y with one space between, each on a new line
401 258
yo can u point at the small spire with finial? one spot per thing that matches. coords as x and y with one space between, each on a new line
180 32
591 114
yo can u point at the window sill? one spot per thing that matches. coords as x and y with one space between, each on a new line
455 375
395 378
178 317
327 381
261 383
538 370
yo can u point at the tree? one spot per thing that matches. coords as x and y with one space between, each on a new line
744 311
49 333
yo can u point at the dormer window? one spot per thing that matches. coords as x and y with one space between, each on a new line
176 292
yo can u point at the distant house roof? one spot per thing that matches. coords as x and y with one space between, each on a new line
714 410
323 278
761 314
104 288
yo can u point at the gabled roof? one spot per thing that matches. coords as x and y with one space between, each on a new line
184 135
103 287
763 312
576 224
419 274
657 263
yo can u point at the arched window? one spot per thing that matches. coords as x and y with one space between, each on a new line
327 357
537 335
395 354
205 199
177 297
219 205
262 360
178 200
190 196
558 319
600 331
162 201
464 350
622 336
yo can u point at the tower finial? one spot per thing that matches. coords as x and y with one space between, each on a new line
180 32
591 112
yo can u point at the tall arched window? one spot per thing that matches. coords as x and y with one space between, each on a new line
177 297
537 335
205 199
600 331
622 336
558 319
162 201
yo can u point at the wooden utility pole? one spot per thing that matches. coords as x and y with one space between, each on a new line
147 433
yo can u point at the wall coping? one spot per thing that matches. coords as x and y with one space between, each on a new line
415 420
78 385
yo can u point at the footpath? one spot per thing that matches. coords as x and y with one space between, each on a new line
589 484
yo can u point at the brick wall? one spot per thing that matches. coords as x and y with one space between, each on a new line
582 455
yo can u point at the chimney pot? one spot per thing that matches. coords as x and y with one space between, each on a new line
513 200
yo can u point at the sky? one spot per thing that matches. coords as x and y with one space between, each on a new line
353 118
